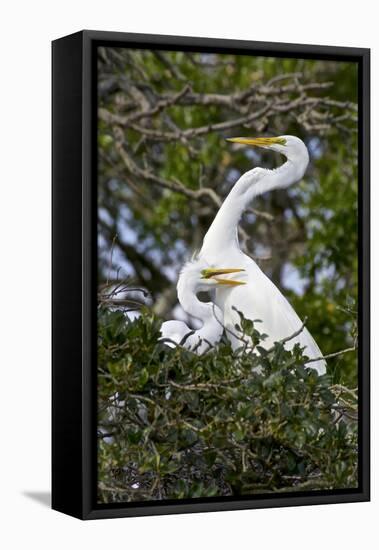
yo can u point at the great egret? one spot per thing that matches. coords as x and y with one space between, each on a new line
196 276
259 298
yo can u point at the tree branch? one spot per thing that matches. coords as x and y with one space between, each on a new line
330 355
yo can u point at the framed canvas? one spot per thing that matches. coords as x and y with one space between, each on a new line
210 275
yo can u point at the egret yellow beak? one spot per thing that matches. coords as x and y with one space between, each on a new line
259 141
230 282
214 272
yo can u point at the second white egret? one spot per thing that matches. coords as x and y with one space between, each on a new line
196 276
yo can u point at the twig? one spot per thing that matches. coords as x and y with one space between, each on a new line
344 389
190 133
288 338
330 355
110 257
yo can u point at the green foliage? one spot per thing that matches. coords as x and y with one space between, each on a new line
174 425
308 243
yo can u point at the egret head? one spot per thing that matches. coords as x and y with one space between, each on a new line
290 146
197 275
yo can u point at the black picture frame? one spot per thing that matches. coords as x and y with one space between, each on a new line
74 274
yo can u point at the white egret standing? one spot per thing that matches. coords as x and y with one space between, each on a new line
259 298
196 277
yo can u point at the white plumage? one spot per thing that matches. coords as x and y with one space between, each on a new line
244 287
259 298
195 277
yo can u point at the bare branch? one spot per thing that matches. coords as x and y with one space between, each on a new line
330 355
291 337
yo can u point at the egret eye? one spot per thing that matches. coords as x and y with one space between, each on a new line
281 141
205 273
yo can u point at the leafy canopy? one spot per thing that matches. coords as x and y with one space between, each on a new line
175 425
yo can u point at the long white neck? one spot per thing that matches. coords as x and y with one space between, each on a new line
222 234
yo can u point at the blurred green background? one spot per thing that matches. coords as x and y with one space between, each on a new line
164 166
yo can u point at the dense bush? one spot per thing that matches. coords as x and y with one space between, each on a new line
174 425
